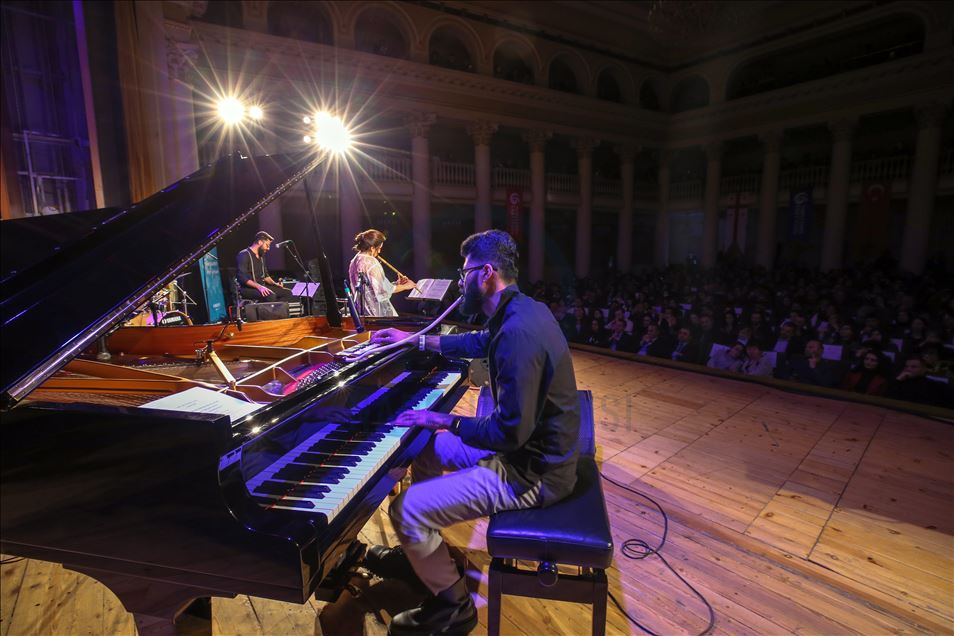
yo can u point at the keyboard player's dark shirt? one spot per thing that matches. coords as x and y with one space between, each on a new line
534 427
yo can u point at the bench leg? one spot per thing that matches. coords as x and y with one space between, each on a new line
600 592
494 592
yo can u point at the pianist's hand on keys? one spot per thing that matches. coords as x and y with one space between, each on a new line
425 419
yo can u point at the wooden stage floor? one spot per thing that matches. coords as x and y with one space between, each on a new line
790 513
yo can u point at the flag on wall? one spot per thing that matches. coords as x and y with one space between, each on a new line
736 221
801 209
875 219
514 212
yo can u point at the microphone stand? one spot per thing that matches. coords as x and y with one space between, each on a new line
293 250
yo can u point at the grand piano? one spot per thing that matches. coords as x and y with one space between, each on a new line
169 504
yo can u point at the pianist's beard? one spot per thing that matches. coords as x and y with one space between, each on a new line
473 297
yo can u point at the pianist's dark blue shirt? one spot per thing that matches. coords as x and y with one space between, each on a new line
534 427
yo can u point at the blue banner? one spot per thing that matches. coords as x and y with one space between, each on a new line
801 211
212 285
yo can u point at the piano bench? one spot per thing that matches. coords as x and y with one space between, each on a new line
573 532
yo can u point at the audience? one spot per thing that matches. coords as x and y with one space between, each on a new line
874 322
871 378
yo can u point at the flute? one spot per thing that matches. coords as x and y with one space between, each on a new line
395 270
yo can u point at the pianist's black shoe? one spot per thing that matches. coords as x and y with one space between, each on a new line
450 612
391 563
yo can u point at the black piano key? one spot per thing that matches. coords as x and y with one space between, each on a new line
289 503
321 459
344 435
310 492
273 488
299 472
341 448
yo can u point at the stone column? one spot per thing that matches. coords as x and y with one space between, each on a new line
661 251
482 132
710 222
768 199
624 240
837 207
420 125
917 222
584 214
181 156
537 140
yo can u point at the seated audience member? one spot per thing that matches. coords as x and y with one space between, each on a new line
876 339
685 350
755 362
744 336
936 366
652 344
618 339
761 330
620 316
812 368
595 335
788 342
727 331
846 339
917 331
913 385
577 327
706 337
727 359
871 378
802 329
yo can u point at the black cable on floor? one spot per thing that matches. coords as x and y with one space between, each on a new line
10 560
637 549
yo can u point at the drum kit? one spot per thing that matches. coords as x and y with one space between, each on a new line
169 306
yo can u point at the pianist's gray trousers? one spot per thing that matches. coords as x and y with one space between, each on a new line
476 488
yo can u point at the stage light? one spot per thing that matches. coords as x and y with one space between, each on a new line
306 139
230 110
256 113
306 119
331 134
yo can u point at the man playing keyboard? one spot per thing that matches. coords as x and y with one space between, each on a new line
520 456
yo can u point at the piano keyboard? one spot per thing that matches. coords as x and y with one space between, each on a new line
326 471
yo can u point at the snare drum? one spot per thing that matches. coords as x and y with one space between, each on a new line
173 318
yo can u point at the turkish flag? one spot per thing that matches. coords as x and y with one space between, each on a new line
874 220
514 212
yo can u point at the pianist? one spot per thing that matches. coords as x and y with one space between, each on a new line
520 456
252 275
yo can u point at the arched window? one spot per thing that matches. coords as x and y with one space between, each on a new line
299 21
227 13
692 92
608 86
376 32
883 40
447 49
562 77
512 63
648 97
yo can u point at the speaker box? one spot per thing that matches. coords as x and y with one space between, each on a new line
265 311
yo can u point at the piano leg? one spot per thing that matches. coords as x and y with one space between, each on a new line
160 609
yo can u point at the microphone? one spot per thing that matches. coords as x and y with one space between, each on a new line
283 243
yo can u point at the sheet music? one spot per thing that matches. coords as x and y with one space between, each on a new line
200 400
307 290
430 289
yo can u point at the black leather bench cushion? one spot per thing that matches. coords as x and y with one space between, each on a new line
574 531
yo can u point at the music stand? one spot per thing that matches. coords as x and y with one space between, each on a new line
307 292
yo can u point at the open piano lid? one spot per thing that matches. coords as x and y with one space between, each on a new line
55 308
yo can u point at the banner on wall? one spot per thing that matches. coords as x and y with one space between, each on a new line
212 285
736 222
875 220
801 210
514 212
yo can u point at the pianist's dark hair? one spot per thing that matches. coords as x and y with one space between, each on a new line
363 241
495 247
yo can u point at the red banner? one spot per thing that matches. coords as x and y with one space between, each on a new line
514 212
875 220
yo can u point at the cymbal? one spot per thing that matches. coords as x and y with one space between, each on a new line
184 275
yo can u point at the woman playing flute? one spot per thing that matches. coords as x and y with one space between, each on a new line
367 275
